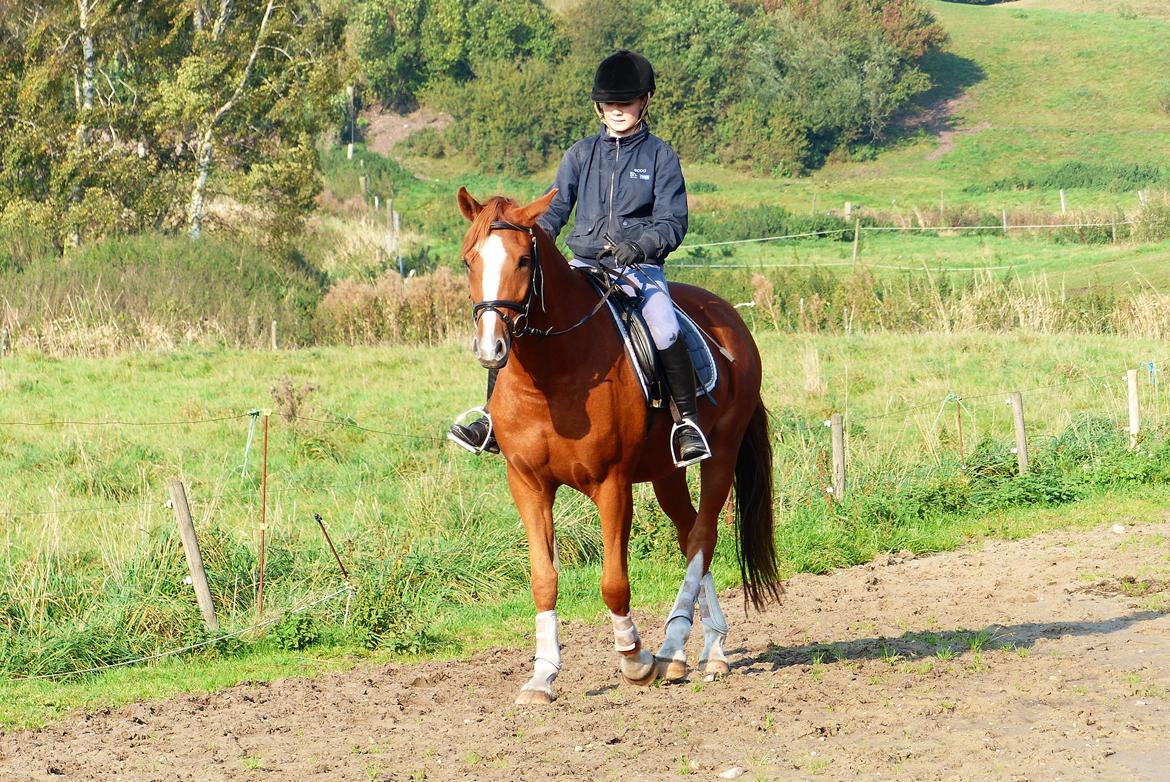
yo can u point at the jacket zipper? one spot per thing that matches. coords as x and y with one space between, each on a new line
617 157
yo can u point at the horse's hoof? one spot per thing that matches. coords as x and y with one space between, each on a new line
535 697
645 681
671 670
639 669
716 669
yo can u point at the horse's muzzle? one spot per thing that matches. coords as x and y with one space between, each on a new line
490 346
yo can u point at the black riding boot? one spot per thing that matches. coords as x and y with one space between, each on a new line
477 436
687 441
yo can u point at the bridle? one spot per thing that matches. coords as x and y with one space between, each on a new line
517 324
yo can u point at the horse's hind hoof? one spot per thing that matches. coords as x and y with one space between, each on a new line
671 670
535 698
715 669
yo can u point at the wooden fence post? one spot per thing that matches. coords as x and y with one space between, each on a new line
1062 206
1135 423
274 335
959 422
1005 225
5 344
194 557
838 432
856 239
398 244
1017 402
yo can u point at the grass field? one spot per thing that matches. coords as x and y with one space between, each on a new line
82 587
91 570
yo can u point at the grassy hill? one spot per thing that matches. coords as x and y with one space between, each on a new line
1024 89
1031 97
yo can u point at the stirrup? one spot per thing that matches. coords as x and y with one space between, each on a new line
483 413
687 423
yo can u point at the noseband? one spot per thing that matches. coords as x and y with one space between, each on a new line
517 324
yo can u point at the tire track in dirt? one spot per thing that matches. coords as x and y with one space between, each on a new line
1039 659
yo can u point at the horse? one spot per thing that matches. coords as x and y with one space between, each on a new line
567 410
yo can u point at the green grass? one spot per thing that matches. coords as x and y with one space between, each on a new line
35 704
97 586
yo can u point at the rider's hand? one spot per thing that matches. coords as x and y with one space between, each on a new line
628 253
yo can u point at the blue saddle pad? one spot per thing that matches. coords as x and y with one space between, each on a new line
643 355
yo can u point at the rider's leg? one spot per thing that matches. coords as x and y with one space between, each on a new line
476 436
689 445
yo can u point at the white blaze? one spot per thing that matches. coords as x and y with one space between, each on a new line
493 256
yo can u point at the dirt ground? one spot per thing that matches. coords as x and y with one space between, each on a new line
1042 659
386 128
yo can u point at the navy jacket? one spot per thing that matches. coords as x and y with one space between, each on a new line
630 188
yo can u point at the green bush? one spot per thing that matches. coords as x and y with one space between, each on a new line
295 632
760 221
806 79
1153 222
1114 177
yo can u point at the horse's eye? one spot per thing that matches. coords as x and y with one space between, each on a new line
523 262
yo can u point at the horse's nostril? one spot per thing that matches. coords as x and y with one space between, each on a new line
500 348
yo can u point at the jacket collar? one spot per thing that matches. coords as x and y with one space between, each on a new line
642 132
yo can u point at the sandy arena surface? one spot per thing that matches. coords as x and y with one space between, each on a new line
1058 668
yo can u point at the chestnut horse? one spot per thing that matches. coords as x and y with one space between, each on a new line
567 410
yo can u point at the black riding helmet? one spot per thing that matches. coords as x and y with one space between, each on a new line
622 77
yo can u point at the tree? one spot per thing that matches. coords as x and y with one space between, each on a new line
119 115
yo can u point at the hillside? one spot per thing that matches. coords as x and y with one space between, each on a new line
1024 88
1030 97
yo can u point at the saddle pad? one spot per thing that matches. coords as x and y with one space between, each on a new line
706 373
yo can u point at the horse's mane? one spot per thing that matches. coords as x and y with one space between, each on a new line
496 208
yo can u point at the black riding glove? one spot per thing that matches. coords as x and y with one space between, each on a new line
628 253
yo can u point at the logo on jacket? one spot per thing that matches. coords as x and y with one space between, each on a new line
639 173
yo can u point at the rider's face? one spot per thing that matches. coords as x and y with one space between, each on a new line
622 118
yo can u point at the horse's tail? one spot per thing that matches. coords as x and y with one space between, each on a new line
755 546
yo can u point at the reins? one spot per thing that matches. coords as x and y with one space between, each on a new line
519 325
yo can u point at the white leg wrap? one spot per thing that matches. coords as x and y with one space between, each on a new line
625 635
714 623
682 616
548 653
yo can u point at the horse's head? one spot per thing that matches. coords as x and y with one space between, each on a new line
500 253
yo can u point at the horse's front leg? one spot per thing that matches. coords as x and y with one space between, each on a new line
534 499
615 504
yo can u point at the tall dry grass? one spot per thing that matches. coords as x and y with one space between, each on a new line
427 309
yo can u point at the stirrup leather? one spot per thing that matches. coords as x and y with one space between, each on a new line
687 423
483 413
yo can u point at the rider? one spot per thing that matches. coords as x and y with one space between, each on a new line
631 202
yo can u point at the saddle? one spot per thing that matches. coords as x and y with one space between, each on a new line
635 334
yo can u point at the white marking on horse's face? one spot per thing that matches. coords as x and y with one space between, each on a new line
490 330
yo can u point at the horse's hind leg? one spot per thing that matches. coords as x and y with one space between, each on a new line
717 478
675 499
697 535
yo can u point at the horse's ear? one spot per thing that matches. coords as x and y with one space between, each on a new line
528 214
468 205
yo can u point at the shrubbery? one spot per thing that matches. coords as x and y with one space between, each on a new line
775 87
